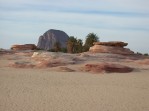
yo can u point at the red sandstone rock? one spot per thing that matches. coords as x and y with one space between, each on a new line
3 52
21 65
143 62
110 49
24 47
112 43
107 67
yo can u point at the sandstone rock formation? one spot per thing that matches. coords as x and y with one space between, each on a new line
143 62
49 38
3 52
24 47
112 43
110 47
51 59
107 67
53 63
21 65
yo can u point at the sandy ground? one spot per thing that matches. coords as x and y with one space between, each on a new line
46 90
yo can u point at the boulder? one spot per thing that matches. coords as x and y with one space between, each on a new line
24 47
49 38
107 67
110 49
112 43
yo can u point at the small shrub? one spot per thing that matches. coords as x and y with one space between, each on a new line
51 50
146 54
64 50
139 53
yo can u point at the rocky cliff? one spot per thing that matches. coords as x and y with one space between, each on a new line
49 38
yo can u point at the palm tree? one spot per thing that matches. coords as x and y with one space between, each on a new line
71 43
57 47
79 46
90 39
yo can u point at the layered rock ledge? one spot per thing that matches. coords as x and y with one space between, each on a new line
115 47
112 43
24 47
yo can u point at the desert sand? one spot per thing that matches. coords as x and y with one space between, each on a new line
52 89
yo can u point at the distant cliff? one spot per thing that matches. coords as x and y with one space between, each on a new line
49 38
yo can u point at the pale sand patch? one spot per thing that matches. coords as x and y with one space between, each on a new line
45 90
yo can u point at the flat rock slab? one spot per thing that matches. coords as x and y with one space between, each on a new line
110 49
112 43
24 47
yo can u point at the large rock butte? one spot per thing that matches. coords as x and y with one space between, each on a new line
49 38
114 47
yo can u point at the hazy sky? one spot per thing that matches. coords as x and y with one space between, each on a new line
23 21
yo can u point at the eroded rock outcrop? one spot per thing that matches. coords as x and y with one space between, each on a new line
143 62
21 64
107 67
112 43
49 38
51 59
24 47
110 47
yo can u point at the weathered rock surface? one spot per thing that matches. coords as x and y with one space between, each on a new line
47 64
21 65
3 52
66 69
110 47
143 62
51 59
49 38
95 62
24 47
107 67
112 43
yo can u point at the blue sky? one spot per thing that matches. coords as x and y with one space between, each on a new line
23 21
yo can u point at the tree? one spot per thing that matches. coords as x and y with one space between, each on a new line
90 39
57 47
74 45
146 54
64 50
71 43
79 46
